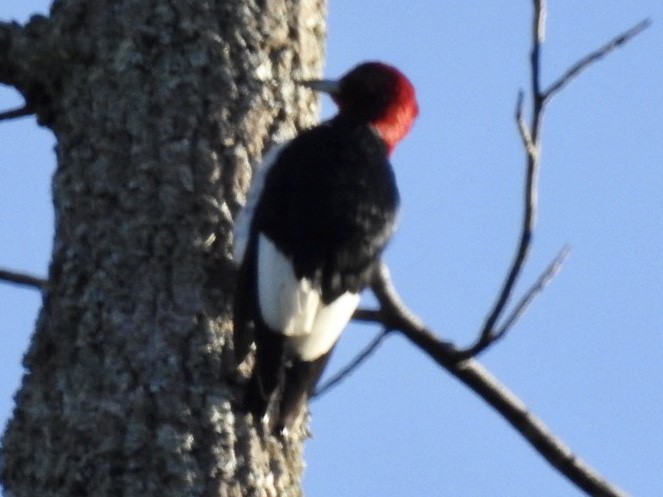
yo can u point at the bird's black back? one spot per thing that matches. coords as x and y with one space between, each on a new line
330 203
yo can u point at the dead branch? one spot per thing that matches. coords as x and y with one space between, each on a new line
394 312
539 285
595 56
22 279
530 136
16 113
358 360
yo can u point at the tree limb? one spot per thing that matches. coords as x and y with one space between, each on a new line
34 59
394 313
22 279
15 113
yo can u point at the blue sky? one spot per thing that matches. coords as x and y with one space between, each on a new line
588 355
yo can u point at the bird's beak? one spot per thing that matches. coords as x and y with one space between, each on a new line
329 86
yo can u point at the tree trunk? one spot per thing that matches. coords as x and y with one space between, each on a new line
160 109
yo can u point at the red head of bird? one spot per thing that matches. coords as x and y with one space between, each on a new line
377 94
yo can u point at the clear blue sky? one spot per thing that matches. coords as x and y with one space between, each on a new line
587 357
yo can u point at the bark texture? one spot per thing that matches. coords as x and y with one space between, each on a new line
160 108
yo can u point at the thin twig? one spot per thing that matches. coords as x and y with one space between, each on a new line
365 316
357 361
15 113
519 309
523 129
22 279
546 277
598 54
538 37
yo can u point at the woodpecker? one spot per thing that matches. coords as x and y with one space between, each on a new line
318 215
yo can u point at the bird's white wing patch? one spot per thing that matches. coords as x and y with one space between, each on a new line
330 321
242 229
287 305
294 307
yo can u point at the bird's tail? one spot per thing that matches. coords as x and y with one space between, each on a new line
294 380
267 372
300 380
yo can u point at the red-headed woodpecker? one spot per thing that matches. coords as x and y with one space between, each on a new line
320 211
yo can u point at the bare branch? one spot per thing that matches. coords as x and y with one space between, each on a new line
22 279
523 128
530 137
488 339
538 35
368 315
358 360
16 113
546 277
473 375
598 54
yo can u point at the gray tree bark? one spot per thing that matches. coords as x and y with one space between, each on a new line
160 108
